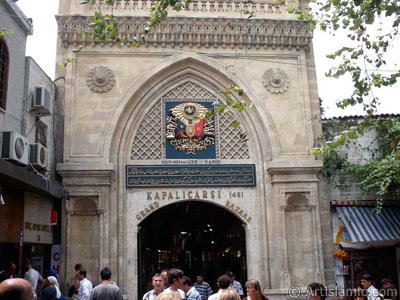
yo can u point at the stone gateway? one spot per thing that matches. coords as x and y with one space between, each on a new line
147 106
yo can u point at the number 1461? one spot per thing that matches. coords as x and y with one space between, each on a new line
235 194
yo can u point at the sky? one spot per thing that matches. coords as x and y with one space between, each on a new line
42 47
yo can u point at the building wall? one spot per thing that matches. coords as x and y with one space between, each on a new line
36 78
29 191
11 119
24 75
288 235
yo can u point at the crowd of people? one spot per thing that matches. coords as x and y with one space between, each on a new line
169 284
365 291
173 285
34 287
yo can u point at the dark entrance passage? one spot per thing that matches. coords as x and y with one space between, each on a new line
194 236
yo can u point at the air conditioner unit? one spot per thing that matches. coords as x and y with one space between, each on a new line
41 100
14 147
38 155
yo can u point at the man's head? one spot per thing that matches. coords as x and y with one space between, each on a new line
175 278
15 289
199 278
223 281
164 275
186 284
82 273
28 263
78 266
158 282
11 267
316 291
105 274
366 280
231 276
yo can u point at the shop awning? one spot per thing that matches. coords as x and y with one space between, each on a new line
364 226
21 179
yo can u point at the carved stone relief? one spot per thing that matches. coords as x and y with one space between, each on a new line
197 32
85 206
100 79
276 81
296 202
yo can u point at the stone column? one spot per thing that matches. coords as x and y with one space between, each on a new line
87 219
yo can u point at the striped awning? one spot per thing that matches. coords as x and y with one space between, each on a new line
364 226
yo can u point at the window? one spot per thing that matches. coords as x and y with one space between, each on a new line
4 61
41 135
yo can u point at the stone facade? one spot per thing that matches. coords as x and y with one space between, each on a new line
114 97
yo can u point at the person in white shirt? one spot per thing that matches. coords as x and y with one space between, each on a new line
158 286
85 286
223 283
33 277
372 292
235 284
175 281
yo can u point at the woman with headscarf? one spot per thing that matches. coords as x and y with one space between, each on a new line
51 292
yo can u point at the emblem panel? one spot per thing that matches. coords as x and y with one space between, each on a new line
188 133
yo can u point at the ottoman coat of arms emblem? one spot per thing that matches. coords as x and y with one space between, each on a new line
188 128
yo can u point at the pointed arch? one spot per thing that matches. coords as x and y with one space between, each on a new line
141 96
169 74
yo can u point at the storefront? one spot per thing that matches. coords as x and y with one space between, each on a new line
365 242
30 225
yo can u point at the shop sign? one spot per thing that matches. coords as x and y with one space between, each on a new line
342 235
55 258
238 210
230 205
183 195
37 227
37 222
147 210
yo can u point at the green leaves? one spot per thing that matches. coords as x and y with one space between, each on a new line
104 27
371 27
383 176
66 62
231 105
159 11
5 32
379 175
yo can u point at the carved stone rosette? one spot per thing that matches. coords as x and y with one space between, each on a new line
100 79
276 81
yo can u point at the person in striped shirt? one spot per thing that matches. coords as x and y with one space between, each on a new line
202 287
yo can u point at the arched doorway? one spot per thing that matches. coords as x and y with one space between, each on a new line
194 236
